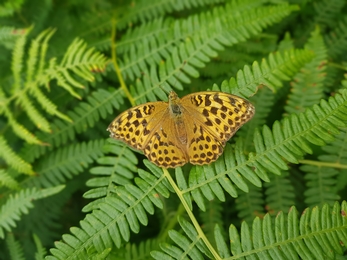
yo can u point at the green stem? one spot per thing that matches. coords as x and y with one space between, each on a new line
115 64
191 215
324 164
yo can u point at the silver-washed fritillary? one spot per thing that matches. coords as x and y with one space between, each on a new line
192 129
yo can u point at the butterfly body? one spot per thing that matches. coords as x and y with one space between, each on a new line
192 129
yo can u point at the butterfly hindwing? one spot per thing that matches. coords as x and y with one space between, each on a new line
202 147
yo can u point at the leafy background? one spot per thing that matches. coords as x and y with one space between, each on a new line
69 67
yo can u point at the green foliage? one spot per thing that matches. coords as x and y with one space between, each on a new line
21 202
68 69
285 237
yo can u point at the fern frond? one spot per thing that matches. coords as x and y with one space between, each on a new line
286 43
10 7
279 193
79 61
12 159
140 251
145 11
41 251
17 61
212 216
145 32
123 160
201 45
19 129
271 72
250 204
321 183
9 35
319 234
230 60
64 163
55 208
321 175
85 115
328 11
310 79
263 101
20 203
337 40
38 119
118 214
8 181
14 247
189 244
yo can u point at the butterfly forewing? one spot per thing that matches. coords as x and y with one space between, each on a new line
135 125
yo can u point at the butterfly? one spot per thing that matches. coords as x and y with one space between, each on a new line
194 128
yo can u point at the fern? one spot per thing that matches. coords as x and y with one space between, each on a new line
307 237
77 59
279 193
61 165
217 36
327 11
9 7
20 203
85 114
321 180
7 181
128 209
15 249
8 36
68 69
310 80
102 186
13 159
249 205
41 250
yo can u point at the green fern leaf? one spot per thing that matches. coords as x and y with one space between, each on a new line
123 160
337 39
327 12
8 181
115 216
100 103
225 30
9 36
310 79
12 159
14 247
271 73
310 237
249 205
20 203
61 164
41 251
279 193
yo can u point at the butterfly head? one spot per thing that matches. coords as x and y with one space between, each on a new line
173 96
